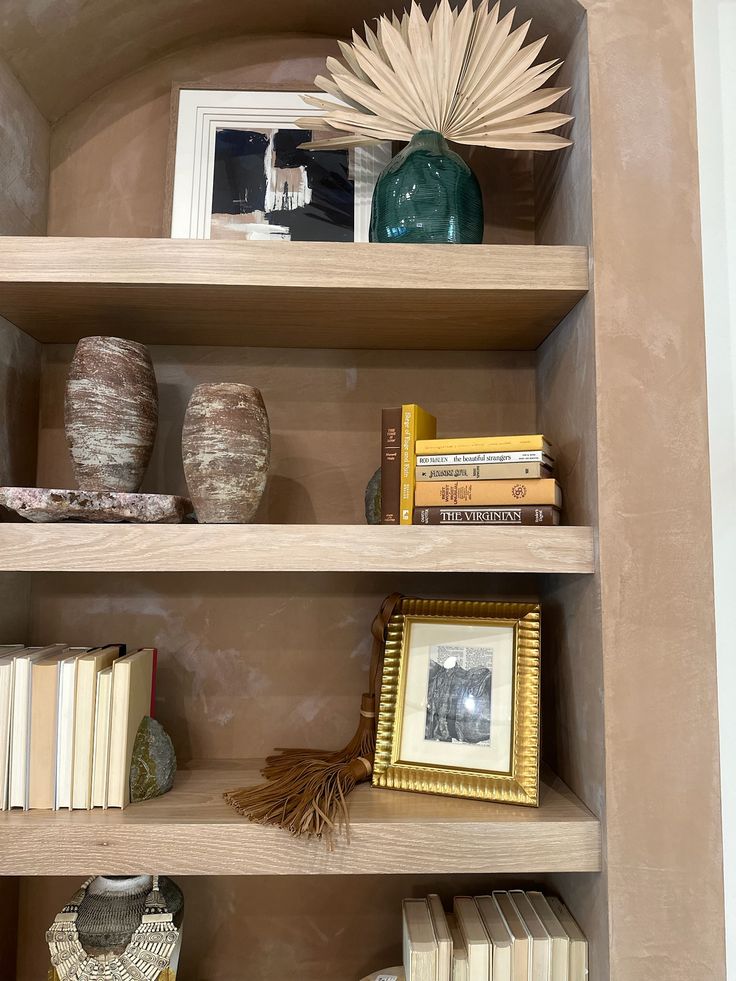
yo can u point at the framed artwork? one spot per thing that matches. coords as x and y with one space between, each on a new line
237 171
459 710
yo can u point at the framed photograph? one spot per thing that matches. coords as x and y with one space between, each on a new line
459 710
237 171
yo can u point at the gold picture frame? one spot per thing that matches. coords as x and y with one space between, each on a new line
423 743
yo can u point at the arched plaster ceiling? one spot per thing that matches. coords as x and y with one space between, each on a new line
63 51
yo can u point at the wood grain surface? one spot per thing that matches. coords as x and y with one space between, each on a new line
282 548
293 294
193 831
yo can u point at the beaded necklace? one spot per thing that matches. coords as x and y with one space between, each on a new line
146 956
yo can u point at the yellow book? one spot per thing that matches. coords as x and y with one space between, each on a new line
482 444
416 424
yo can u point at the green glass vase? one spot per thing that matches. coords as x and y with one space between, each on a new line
427 194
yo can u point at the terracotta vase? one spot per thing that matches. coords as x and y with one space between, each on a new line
226 447
110 413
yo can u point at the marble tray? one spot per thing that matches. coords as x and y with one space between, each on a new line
52 504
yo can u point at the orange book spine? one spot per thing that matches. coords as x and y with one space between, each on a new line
487 492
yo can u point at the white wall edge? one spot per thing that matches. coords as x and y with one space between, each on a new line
715 71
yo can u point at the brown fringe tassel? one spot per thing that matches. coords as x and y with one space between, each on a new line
306 790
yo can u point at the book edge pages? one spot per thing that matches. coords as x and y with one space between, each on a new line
540 946
122 666
479 948
99 766
444 943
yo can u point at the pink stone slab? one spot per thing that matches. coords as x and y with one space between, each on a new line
46 504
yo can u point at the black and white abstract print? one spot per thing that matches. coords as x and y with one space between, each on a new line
266 187
459 694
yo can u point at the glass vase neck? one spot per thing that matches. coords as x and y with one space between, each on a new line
429 139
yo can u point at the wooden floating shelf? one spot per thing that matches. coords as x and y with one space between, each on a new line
192 831
290 294
293 548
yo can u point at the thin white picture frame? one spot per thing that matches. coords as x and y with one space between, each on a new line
200 112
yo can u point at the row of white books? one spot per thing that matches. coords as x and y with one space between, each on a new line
68 721
505 936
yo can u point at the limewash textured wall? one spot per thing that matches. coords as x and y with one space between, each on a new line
25 138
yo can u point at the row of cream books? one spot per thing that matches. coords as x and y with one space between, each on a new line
466 480
505 936
68 721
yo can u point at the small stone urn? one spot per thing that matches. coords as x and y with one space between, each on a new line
226 448
110 413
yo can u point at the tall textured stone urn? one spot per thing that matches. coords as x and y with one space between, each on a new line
226 448
110 413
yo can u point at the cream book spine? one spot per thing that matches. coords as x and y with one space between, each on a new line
559 940
521 946
6 693
420 943
20 723
132 682
101 753
88 668
540 960
500 937
476 939
578 942
442 934
65 733
459 950
44 706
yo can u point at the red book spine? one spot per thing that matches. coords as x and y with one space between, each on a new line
390 465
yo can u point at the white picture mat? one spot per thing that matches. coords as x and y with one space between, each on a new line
421 636
203 111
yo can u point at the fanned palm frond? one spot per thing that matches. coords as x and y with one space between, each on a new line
463 72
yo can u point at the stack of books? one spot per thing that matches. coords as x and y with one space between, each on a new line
502 480
505 936
68 720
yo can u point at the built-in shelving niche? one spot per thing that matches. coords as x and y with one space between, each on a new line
250 660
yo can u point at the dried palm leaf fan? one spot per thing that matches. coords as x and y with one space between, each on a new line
306 790
462 75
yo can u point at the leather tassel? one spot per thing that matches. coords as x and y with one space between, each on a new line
306 790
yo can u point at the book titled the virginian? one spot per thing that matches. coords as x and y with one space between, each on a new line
524 515
430 493
483 444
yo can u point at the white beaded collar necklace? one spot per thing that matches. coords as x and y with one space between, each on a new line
147 954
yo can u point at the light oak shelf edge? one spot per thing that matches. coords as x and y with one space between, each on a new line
192 831
276 294
70 547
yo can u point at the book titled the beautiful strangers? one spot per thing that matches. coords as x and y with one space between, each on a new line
484 444
463 459
457 493
523 515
